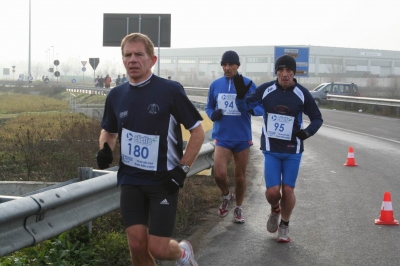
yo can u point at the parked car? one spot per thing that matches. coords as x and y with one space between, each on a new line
337 88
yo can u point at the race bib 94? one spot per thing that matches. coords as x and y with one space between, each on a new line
226 102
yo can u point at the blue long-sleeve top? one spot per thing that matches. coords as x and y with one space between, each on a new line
234 125
288 104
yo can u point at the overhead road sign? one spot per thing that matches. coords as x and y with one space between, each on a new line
117 26
300 54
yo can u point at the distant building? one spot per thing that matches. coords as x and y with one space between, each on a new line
258 61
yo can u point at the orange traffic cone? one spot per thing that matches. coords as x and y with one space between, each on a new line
350 158
387 216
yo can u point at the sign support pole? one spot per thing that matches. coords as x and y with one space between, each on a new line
159 44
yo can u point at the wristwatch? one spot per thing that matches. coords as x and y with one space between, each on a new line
185 168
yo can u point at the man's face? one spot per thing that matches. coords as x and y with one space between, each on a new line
137 62
230 69
285 77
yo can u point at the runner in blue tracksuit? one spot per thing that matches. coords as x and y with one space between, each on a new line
284 102
232 134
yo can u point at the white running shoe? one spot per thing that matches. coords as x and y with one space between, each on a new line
283 233
184 244
272 223
223 208
238 216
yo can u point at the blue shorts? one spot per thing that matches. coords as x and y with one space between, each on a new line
235 146
281 165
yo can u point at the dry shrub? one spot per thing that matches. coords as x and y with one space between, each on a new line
47 147
20 103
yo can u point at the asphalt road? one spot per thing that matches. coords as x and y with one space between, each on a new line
333 221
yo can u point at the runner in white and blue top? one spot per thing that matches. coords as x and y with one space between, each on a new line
285 106
282 140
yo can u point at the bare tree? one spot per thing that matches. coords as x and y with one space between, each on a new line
106 68
394 89
336 72
36 70
372 82
77 72
66 67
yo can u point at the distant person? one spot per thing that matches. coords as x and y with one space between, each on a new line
43 78
282 140
123 80
146 115
232 134
46 80
118 80
96 81
101 82
107 81
20 78
30 78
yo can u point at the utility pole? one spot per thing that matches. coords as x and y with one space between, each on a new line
29 53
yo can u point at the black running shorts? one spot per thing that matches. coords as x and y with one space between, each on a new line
151 206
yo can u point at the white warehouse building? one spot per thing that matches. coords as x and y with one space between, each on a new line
258 61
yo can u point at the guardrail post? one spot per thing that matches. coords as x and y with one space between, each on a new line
85 173
72 101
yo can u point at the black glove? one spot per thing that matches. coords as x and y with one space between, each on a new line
241 88
174 180
251 112
302 134
104 157
216 115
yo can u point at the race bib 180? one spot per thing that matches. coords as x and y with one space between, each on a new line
139 150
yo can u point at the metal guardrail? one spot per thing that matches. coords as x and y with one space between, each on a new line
83 108
102 91
87 90
203 92
28 220
364 100
18 84
89 105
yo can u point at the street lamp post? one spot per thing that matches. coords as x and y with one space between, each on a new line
29 59
53 62
45 62
48 52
